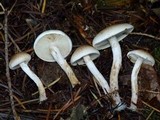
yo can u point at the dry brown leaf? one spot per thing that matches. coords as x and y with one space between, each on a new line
148 82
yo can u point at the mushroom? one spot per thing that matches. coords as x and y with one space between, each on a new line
54 46
138 57
85 54
110 37
21 60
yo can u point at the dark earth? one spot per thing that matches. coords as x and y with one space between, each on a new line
81 20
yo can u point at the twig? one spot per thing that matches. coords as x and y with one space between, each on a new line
12 7
150 91
14 43
155 109
95 82
2 9
1 26
44 5
96 98
49 111
27 102
5 116
19 102
150 115
68 104
37 27
14 91
7 68
39 111
48 86
119 116
144 34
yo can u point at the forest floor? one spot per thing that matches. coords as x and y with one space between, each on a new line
21 21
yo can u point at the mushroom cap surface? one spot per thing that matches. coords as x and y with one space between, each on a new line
120 31
18 59
147 58
57 38
82 51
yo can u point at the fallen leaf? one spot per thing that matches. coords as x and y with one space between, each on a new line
148 82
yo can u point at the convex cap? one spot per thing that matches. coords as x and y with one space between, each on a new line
18 59
119 31
135 54
82 51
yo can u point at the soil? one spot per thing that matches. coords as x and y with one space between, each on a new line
81 21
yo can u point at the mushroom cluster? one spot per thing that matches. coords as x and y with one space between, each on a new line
55 46
111 36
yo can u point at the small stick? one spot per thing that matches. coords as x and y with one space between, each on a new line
69 103
49 111
94 80
27 102
155 109
150 115
1 13
52 83
144 34
44 5
19 102
16 117
96 98
14 43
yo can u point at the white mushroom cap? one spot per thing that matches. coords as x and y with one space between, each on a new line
52 37
18 58
135 54
79 53
120 31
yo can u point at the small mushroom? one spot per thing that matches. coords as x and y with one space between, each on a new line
21 60
85 54
55 45
111 36
138 57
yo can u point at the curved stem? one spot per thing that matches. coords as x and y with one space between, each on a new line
99 77
64 65
116 65
36 79
134 83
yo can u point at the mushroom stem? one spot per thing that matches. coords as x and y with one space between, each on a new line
64 65
134 83
116 65
99 77
36 79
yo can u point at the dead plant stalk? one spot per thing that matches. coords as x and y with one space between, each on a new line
7 68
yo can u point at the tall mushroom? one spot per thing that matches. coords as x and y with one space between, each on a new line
138 57
54 46
85 55
21 60
111 36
